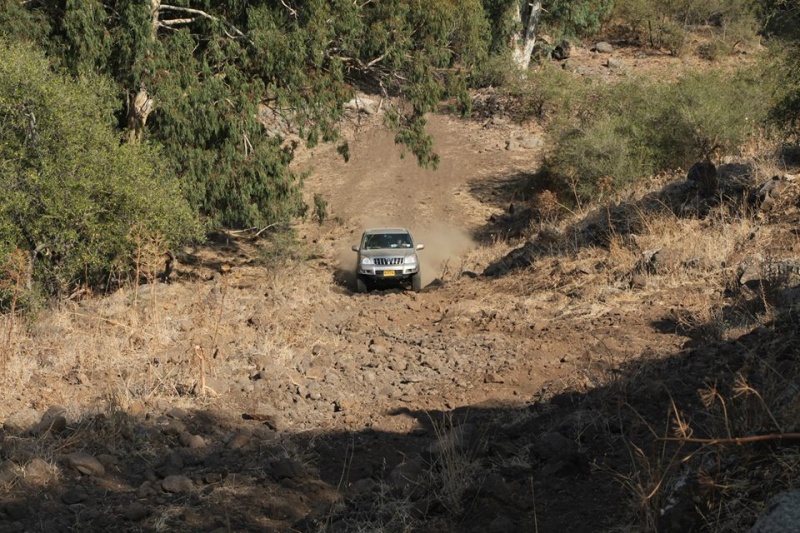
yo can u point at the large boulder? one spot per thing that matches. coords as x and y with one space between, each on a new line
704 174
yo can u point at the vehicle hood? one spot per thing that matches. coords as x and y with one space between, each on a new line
388 252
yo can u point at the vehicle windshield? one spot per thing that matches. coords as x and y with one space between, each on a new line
378 241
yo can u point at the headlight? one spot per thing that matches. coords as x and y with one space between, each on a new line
366 260
410 260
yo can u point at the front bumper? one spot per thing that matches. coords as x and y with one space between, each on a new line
388 272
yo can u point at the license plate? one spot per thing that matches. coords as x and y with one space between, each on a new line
388 273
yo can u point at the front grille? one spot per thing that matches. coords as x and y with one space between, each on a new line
385 261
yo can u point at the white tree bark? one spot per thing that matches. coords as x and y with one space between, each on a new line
155 10
525 39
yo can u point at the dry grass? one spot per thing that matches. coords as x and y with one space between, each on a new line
153 342
159 341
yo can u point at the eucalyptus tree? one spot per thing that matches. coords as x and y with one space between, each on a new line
517 24
211 70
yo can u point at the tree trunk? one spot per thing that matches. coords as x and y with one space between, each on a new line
525 39
155 8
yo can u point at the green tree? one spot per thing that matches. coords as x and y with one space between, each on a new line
515 24
218 70
71 192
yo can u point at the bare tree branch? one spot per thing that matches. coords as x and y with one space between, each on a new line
735 440
199 13
175 22
292 12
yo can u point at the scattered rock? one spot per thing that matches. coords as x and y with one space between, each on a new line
705 175
553 445
658 261
363 486
17 510
501 524
362 104
603 48
407 477
286 468
8 472
177 483
217 386
239 440
136 512
21 421
192 441
108 461
615 64
86 464
562 50
493 377
530 142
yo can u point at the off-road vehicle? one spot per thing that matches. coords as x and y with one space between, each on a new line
387 256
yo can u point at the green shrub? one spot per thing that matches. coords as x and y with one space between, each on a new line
626 132
709 114
670 35
320 208
71 191
663 24
546 93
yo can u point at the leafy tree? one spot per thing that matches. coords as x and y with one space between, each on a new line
218 71
72 193
516 23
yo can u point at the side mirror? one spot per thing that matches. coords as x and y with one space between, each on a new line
354 247
420 246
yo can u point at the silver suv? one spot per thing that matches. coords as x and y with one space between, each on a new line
387 255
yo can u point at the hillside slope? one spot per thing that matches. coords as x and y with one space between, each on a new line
257 392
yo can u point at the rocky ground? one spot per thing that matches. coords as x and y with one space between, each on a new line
568 378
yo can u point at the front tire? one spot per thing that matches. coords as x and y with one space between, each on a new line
416 282
361 285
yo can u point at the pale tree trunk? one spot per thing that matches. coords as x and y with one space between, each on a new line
525 39
155 8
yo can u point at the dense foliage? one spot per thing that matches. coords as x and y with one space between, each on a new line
661 24
72 194
611 136
782 23
223 73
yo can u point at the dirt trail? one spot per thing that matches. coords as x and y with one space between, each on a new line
382 186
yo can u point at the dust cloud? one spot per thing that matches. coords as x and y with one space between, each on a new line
444 248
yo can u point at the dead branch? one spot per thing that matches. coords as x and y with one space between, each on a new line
734 440
199 13
292 12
